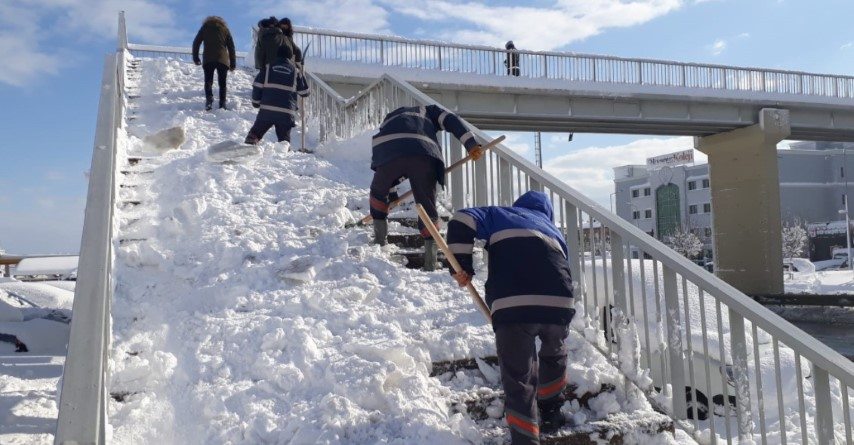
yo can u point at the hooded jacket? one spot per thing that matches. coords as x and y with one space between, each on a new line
269 41
529 279
219 46
276 88
409 131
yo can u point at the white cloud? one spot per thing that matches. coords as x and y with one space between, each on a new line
35 35
522 143
718 47
345 15
590 170
530 27
19 46
848 45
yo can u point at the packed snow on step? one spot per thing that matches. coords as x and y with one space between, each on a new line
251 315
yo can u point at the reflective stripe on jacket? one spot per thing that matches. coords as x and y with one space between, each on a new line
529 279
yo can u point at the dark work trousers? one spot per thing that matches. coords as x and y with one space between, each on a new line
528 377
221 76
261 126
422 173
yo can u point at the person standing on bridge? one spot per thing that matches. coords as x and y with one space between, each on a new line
529 293
512 61
406 147
274 93
218 56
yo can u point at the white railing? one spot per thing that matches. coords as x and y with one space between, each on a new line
83 398
443 56
709 347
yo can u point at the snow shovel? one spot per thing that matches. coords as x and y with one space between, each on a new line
428 223
231 151
368 218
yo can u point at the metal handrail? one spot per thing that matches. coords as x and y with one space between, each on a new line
82 407
505 174
478 59
83 398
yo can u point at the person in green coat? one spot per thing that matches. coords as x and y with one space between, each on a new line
218 55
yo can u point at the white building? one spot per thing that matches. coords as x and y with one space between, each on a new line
661 198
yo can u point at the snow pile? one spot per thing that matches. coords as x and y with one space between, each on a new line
824 282
249 314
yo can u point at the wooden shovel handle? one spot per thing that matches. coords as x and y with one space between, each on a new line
478 301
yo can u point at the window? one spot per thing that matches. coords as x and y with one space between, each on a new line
706 183
647 191
707 208
636 214
647 213
692 209
692 185
635 193
708 232
635 254
667 210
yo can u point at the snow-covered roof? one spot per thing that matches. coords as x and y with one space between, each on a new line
65 266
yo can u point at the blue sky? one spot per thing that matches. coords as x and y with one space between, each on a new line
53 53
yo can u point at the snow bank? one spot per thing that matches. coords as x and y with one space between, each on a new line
64 266
43 337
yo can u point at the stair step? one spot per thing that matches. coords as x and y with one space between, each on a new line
126 241
406 240
616 429
413 222
444 366
415 259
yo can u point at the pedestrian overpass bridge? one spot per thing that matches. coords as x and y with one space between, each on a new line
565 92
668 317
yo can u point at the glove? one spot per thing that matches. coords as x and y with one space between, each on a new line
232 67
476 152
197 61
463 278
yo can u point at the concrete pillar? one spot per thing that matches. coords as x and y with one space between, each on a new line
745 188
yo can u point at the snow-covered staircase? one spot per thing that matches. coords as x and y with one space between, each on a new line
239 282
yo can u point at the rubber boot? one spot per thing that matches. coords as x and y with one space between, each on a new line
430 254
551 419
209 102
381 232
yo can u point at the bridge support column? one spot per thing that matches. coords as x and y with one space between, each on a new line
746 200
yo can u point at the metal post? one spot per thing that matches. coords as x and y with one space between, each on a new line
505 178
742 381
456 179
848 233
674 344
481 177
123 34
823 408
574 247
618 269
